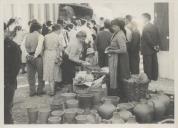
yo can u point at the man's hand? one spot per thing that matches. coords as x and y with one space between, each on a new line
29 57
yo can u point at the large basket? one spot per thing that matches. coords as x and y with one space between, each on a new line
135 91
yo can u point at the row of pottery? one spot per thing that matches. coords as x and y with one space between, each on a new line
153 109
65 109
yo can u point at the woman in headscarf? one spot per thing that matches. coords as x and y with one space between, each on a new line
52 58
118 58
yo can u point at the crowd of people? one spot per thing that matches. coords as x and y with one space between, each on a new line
53 51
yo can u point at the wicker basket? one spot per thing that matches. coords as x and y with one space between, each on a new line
135 91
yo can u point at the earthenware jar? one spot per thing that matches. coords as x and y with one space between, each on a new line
54 120
159 108
85 100
69 115
132 120
114 99
57 104
72 103
68 96
32 115
116 119
125 115
58 113
43 115
81 119
164 98
144 112
98 93
106 110
125 106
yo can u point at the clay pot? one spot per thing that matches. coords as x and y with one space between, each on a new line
98 93
125 115
85 100
81 119
116 119
54 120
69 115
114 99
58 113
164 98
132 120
79 111
106 110
166 121
43 115
68 96
57 104
32 115
72 103
125 106
159 108
104 121
144 112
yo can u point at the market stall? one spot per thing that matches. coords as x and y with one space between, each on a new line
88 103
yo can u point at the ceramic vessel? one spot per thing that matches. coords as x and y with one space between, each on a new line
57 104
106 110
132 120
125 115
68 96
116 119
72 103
85 100
159 108
125 106
144 112
32 115
114 99
54 120
58 113
69 115
43 115
81 119
98 93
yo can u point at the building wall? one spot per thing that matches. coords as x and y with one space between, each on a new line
41 12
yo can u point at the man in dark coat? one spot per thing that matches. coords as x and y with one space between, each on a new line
103 40
150 41
12 62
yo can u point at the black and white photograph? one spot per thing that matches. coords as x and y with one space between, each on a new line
89 62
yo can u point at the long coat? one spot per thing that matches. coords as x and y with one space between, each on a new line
150 38
12 62
118 62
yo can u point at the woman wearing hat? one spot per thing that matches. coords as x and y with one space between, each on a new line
118 57
52 58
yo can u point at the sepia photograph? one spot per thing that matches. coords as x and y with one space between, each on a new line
89 62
